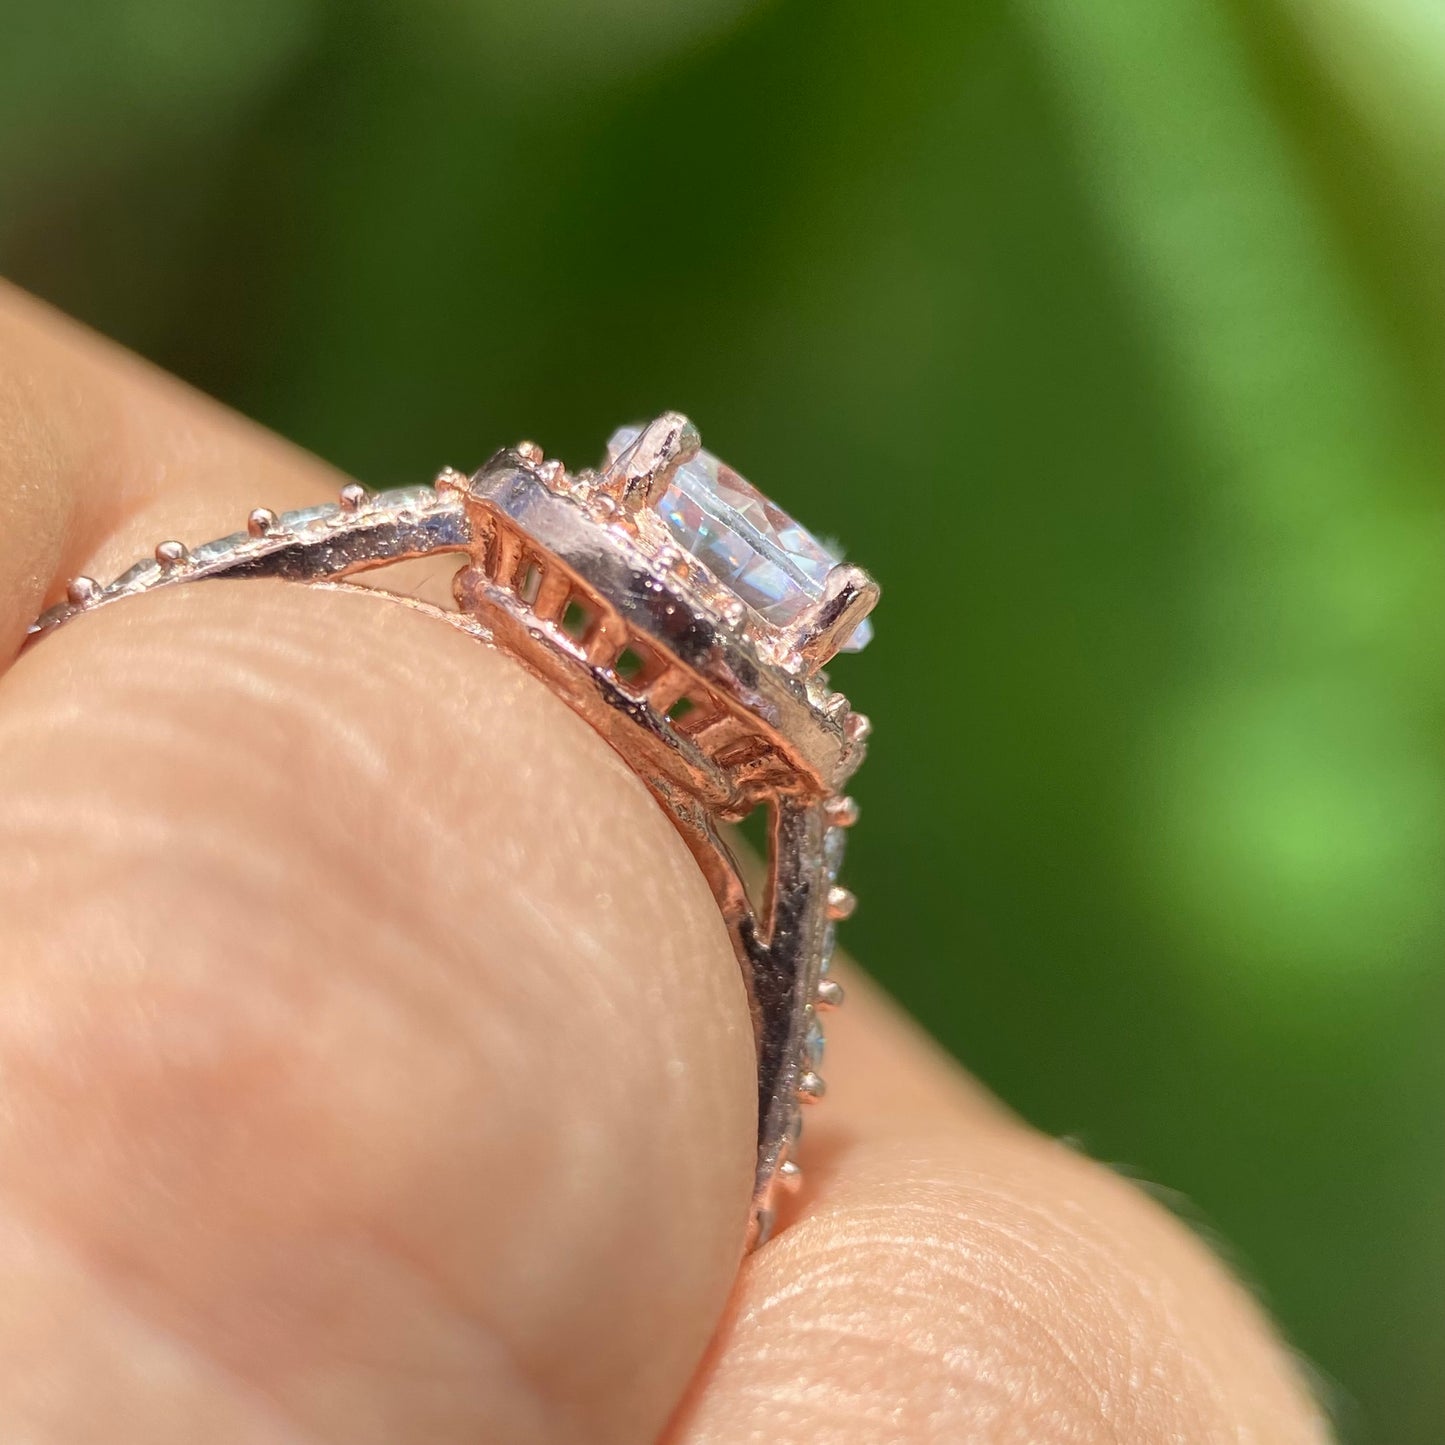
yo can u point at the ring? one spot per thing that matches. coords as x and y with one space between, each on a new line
688 620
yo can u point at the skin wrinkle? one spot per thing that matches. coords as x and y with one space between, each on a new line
568 1434
861 1281
853 1325
571 1426
252 874
272 1427
412 815
187 1328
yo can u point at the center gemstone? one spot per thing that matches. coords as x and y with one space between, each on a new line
775 565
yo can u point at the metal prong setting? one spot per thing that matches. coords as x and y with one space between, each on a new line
171 555
841 812
640 476
849 595
82 591
353 498
261 522
841 903
811 1087
530 452
830 994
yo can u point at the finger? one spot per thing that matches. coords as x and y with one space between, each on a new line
374 1060
955 1276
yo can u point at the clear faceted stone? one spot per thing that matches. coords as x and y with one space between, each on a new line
140 572
406 499
813 1042
305 516
830 942
774 564
210 552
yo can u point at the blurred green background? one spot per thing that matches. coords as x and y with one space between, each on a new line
1109 333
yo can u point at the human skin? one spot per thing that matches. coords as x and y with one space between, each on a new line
374 1066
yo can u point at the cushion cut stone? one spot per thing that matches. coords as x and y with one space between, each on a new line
770 561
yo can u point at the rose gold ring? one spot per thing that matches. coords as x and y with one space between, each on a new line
688 621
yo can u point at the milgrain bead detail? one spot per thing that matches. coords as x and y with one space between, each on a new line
261 522
82 591
171 555
841 903
811 1087
830 994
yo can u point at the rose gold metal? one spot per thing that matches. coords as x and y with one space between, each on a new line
848 597
640 475
720 713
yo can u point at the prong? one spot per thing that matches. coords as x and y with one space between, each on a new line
172 554
830 994
640 475
856 727
449 479
82 591
261 522
530 452
790 1177
353 497
841 903
849 595
811 1087
552 473
841 812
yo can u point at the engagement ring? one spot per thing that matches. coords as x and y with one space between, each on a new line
688 620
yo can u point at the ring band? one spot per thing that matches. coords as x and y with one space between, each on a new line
688 620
